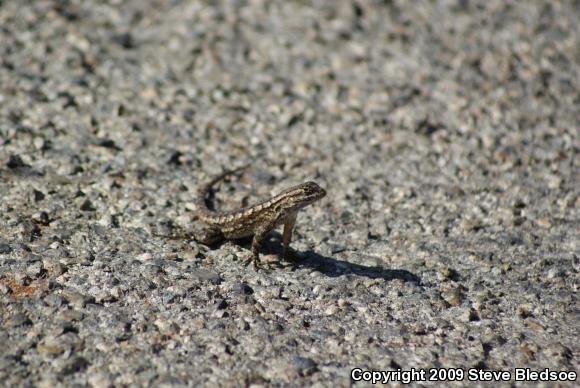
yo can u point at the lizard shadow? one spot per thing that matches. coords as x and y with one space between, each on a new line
333 267
328 266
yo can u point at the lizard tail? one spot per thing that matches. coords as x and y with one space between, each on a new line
200 202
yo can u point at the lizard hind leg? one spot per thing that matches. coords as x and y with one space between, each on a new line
207 236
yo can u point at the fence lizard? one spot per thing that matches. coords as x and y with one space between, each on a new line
255 220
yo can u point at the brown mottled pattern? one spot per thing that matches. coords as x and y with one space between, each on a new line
257 219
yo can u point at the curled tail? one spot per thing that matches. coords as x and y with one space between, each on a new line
200 202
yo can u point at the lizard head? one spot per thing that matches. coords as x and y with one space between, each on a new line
307 193
296 197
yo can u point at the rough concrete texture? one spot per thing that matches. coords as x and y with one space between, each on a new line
445 132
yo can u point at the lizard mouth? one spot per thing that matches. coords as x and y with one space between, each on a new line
321 194
313 192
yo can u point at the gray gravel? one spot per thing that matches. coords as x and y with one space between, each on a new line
445 132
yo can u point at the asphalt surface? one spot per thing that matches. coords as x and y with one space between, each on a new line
446 134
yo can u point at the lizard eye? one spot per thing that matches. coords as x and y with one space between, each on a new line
311 189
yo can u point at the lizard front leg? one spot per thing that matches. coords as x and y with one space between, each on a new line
287 234
259 236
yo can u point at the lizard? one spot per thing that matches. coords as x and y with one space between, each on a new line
255 220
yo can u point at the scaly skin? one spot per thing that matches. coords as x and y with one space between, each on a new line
258 219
